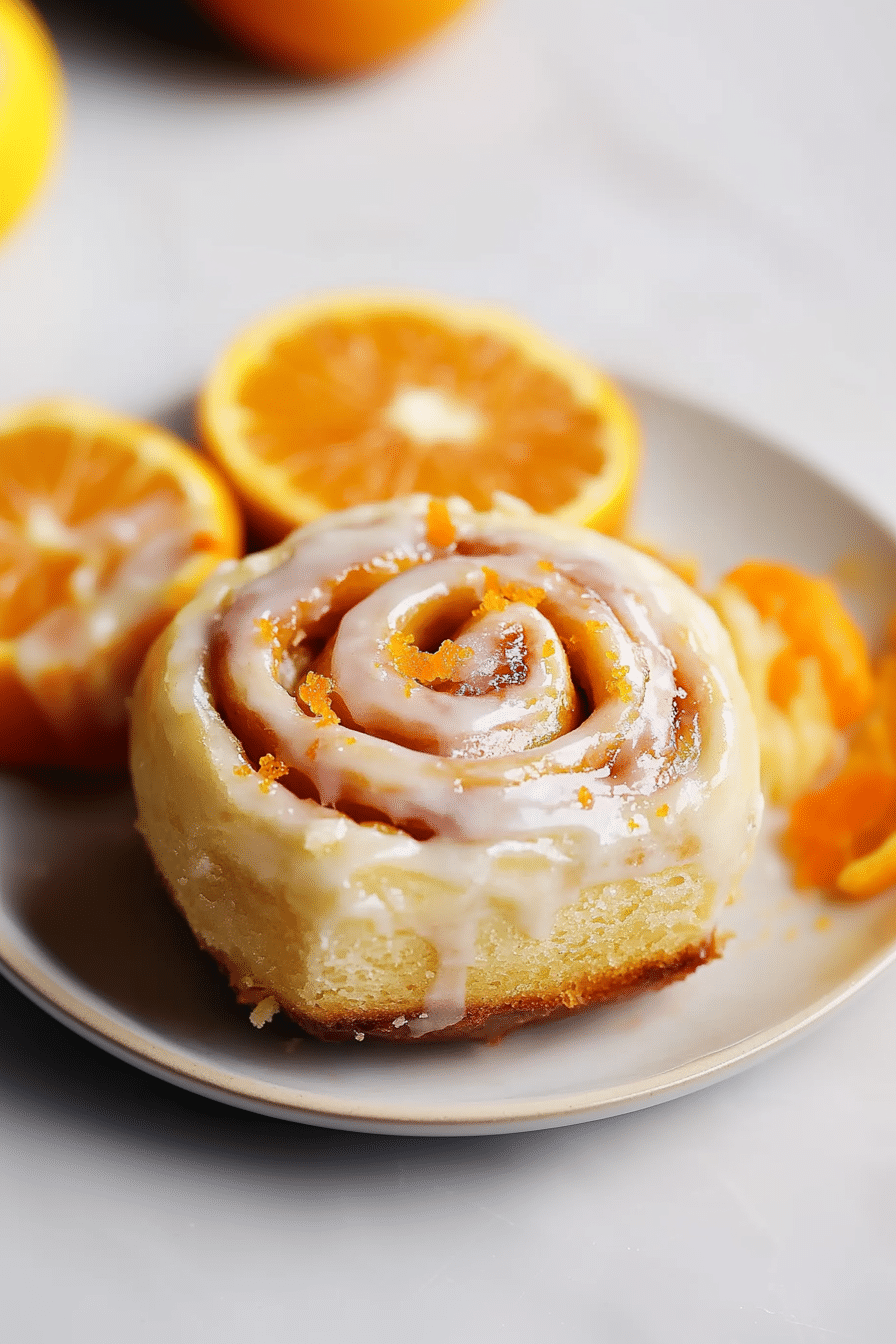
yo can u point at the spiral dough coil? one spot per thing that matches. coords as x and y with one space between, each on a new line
419 771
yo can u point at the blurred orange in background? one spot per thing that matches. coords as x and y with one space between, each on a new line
329 36
30 103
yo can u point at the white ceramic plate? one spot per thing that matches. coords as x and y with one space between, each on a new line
87 932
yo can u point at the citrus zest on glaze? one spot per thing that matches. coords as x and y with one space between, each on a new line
269 771
417 665
315 692
499 595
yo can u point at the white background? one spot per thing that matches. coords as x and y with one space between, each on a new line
699 193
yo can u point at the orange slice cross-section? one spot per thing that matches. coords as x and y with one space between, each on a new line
107 527
360 398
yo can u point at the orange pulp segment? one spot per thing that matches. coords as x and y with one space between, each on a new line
811 615
107 527
355 399
330 36
841 836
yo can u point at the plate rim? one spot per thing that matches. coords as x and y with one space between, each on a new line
288 1103
116 1033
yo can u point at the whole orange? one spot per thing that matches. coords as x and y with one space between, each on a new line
329 36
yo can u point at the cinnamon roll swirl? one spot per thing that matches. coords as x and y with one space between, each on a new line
424 772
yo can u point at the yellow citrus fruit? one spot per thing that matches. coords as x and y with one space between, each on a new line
30 88
107 527
358 398
330 36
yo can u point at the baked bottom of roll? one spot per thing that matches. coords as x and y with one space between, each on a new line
617 940
554 821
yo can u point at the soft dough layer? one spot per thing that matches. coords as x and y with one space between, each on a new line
546 811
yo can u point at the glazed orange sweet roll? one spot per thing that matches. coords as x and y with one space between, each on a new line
420 771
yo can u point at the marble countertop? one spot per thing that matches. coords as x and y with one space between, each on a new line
699 196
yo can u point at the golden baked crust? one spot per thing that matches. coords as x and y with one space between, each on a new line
543 889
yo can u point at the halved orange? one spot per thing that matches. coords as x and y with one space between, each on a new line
107 527
363 397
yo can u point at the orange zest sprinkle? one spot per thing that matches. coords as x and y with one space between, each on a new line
313 748
632 824
546 566
586 798
549 648
618 684
350 741
315 692
424 667
595 627
269 770
440 530
499 595
663 811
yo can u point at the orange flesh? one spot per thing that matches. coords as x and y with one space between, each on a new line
812 617
269 770
318 407
53 474
855 812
